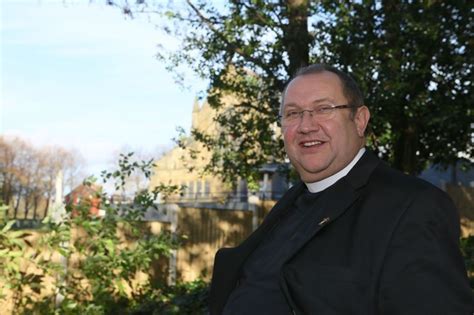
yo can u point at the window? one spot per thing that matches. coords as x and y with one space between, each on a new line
199 189
207 188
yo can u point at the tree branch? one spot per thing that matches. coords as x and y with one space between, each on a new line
233 47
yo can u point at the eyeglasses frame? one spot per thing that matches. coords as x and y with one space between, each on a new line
311 111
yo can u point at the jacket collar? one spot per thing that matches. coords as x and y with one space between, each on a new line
331 180
335 200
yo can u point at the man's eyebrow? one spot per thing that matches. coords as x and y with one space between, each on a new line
290 105
316 101
321 100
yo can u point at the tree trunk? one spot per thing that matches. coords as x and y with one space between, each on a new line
7 188
17 203
46 207
27 206
6 196
406 144
405 150
35 206
296 36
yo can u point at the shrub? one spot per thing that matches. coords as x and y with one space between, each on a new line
182 298
467 250
85 264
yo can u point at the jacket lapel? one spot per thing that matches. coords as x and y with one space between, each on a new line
272 219
336 200
332 204
228 261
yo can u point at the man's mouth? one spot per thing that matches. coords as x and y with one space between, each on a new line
308 144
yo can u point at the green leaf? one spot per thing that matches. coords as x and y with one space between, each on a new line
8 226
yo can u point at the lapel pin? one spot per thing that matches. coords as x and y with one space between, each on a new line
324 221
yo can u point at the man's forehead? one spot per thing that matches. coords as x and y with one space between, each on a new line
316 85
323 77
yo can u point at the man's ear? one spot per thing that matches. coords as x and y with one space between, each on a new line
361 119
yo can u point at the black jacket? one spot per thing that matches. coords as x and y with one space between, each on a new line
386 244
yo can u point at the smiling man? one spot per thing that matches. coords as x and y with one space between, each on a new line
354 236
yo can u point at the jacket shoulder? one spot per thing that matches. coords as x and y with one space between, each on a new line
386 178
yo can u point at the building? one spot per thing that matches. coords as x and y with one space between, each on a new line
85 196
184 168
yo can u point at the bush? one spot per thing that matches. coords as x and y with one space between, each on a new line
85 264
182 298
467 250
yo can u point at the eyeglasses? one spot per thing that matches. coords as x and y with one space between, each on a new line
320 113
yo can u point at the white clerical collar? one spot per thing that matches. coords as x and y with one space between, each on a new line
327 182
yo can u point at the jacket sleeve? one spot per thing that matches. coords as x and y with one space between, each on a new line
224 278
423 270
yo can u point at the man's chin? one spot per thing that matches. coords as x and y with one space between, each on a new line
311 175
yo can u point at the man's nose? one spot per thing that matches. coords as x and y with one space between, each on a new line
307 122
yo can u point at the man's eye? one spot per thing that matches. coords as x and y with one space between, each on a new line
324 109
292 114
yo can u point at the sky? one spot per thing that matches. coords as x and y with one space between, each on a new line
83 76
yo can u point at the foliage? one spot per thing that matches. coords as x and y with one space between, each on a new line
104 262
12 257
467 250
126 168
182 298
413 59
137 181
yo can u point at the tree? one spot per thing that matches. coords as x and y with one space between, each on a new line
412 59
137 181
28 175
7 156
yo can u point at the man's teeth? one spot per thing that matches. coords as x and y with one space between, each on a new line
309 144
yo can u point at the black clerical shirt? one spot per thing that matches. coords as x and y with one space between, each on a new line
259 290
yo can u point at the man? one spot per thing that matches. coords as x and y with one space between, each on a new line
355 236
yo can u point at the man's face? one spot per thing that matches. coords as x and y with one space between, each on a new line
320 149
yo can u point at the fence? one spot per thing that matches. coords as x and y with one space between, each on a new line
204 229
463 197
208 229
